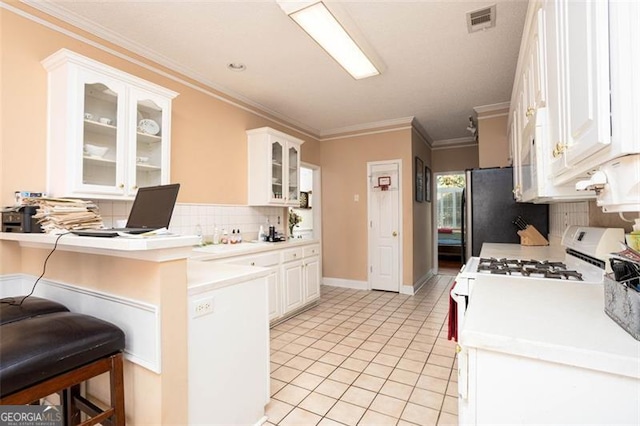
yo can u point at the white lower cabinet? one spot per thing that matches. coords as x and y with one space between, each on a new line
301 277
294 278
274 294
311 271
293 289
510 389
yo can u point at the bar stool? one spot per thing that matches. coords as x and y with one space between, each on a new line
45 349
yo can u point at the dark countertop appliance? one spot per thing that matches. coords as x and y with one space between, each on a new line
20 219
489 209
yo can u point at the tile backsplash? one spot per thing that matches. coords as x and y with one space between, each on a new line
201 219
562 215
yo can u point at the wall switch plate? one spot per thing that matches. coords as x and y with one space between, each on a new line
202 307
356 197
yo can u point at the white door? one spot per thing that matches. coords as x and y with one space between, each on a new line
384 226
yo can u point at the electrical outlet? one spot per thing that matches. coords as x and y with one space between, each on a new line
202 307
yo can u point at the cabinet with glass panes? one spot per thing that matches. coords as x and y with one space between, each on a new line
109 131
274 168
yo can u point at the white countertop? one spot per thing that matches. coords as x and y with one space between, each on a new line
205 276
221 251
553 252
156 248
547 320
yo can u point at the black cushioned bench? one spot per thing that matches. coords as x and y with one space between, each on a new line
45 349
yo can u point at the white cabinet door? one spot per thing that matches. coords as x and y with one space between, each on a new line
293 291
292 194
311 278
584 45
274 294
99 142
149 138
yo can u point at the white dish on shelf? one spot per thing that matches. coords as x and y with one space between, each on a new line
142 160
148 126
95 150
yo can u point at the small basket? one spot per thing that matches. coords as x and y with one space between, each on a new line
622 304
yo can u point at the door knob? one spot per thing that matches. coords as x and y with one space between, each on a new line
395 234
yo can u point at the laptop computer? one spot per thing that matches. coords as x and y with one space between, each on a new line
151 210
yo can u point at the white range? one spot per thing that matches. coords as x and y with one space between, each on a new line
539 350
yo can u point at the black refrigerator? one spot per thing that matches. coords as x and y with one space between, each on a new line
489 209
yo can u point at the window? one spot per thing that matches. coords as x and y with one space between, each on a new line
450 201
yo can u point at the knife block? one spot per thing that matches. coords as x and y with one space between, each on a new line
530 236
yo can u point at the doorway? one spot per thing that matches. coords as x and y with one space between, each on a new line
309 219
449 187
385 223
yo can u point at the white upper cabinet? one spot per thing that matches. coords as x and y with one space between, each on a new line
583 35
574 98
274 168
108 131
535 113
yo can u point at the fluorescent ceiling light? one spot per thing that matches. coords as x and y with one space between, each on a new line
323 27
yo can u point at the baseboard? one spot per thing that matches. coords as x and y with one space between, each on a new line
140 321
339 282
422 281
293 313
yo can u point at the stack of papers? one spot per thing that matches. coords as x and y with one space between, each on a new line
65 214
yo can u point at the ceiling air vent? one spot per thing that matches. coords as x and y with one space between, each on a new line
481 19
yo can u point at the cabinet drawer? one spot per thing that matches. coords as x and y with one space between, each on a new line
264 260
313 250
292 254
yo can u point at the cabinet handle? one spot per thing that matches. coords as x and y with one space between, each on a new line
295 255
559 149
530 111
516 189
394 233
134 187
253 263
121 186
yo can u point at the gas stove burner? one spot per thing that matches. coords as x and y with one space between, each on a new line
528 268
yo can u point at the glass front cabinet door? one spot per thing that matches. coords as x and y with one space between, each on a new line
274 168
109 132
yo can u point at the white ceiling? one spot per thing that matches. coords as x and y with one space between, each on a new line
432 68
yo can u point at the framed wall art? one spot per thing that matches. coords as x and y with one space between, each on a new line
427 184
419 180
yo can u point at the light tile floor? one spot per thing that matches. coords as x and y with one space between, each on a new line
366 358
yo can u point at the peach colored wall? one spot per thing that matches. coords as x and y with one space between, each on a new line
493 145
344 221
455 159
209 154
150 398
422 247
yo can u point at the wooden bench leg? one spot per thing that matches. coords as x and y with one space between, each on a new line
69 406
117 389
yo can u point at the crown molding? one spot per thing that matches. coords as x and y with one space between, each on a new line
454 143
374 126
422 132
54 10
484 109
